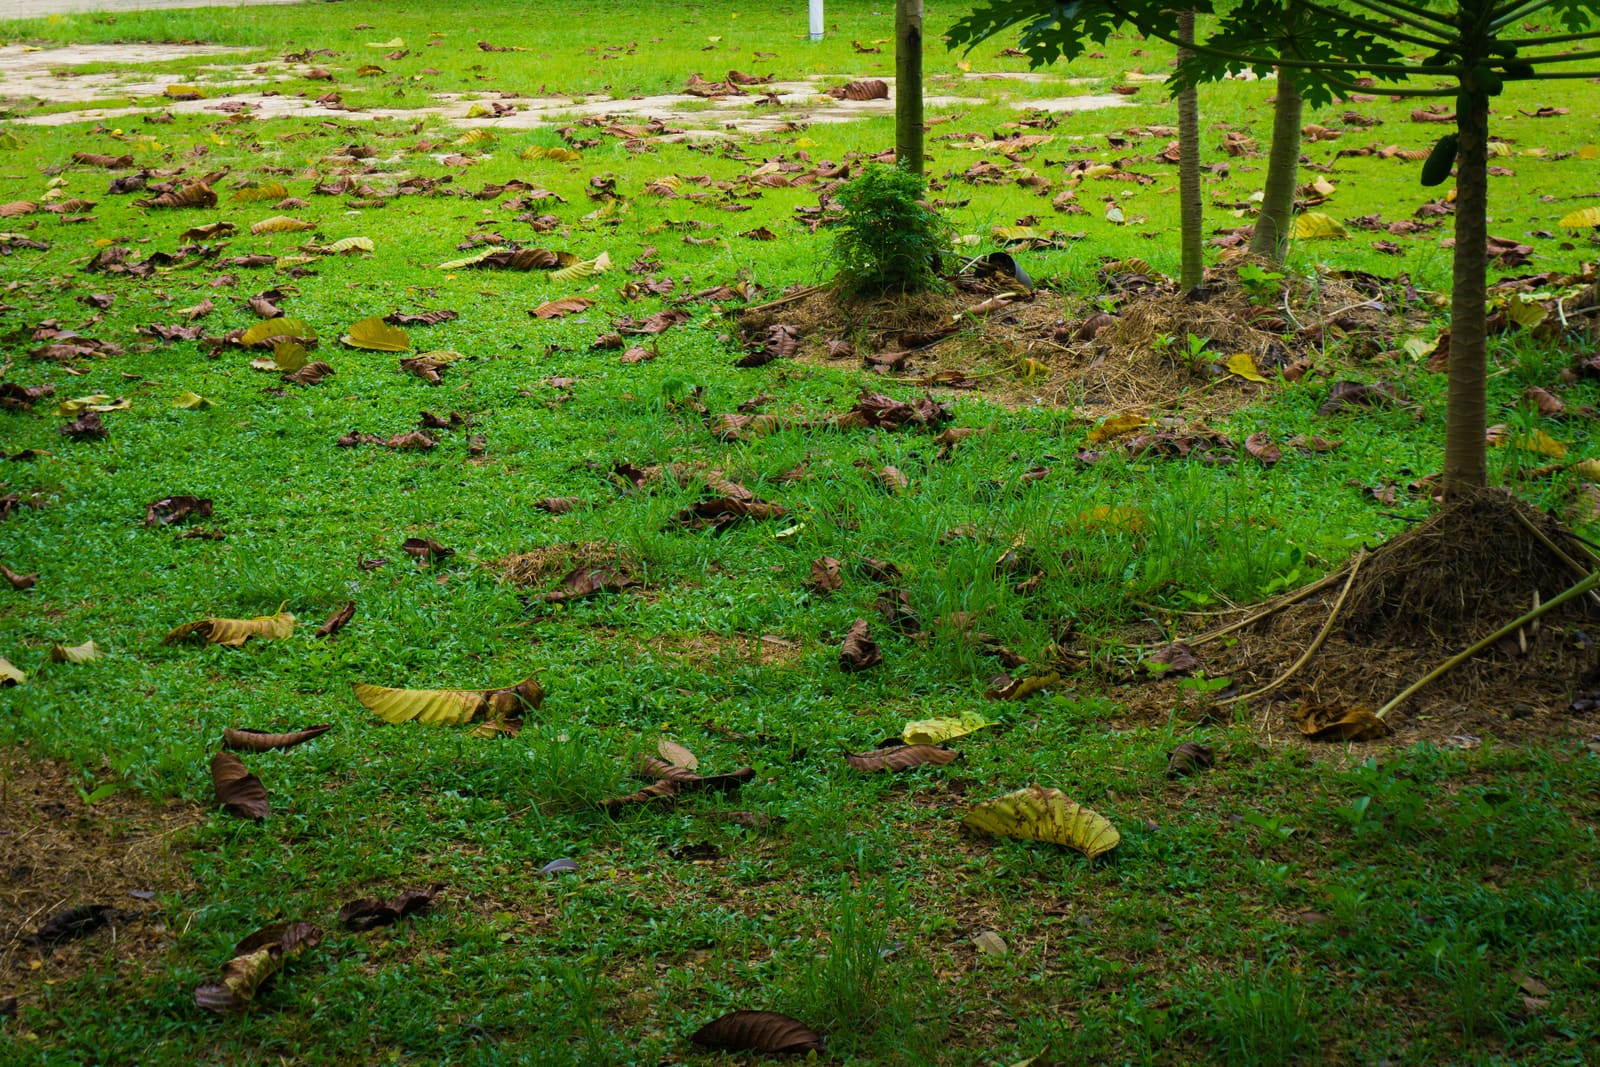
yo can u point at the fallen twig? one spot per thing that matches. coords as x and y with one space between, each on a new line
1322 635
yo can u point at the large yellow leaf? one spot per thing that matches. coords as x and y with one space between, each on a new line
938 730
281 224
1589 152
288 355
559 155
1244 365
1582 219
598 265
345 244
393 42
1588 470
1527 312
377 335
235 632
472 137
448 707
274 330
257 193
10 675
191 401
1111 517
1313 224
1115 426
1040 814
74 653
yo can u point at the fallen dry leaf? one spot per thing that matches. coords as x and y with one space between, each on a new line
825 576
425 549
1040 814
170 510
1328 722
901 757
581 582
255 960
859 651
242 740
1188 758
758 1031
20 582
338 620
235 632
74 653
567 305
368 913
237 789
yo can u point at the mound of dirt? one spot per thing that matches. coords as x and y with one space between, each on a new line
1413 602
79 883
1140 345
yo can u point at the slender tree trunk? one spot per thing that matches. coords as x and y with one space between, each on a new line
1193 262
1283 163
908 127
1465 453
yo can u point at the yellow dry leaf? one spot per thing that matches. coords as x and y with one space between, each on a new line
190 401
447 707
938 730
467 261
183 92
287 356
276 329
1040 814
1244 365
1031 368
376 335
1589 152
1582 219
583 269
1323 187
396 42
1116 426
10 675
74 653
472 137
346 244
281 224
1540 443
1314 224
235 632
1017 233
78 405
558 155
1109 516
255 193
1587 469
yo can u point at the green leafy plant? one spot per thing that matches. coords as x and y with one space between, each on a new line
1262 285
890 238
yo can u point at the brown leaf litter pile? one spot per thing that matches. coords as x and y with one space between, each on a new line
1413 602
80 884
1129 350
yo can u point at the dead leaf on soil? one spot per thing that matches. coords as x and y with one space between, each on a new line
74 653
662 792
20 582
338 620
241 740
1004 687
865 89
677 754
943 728
449 707
376 335
859 651
781 342
255 960
1172 660
581 582
170 510
567 305
69 924
825 576
1331 722
758 1031
368 913
1040 814
425 549
1188 758
195 195
9 674
237 789
687 781
235 632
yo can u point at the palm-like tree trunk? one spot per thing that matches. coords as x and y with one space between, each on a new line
1465 453
1193 261
1271 237
908 125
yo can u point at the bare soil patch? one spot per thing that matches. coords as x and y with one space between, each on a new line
57 853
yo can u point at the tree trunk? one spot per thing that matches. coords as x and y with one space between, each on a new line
908 127
1465 452
1283 162
1193 262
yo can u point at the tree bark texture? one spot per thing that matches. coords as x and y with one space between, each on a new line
1465 451
1193 256
1273 222
908 126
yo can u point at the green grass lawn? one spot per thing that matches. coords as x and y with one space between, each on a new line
1375 903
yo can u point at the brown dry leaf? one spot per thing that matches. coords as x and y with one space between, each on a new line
758 1031
781 342
1547 404
859 651
865 89
1360 395
425 318
10 674
310 374
722 512
1172 660
20 582
170 510
892 480
195 195
657 323
235 632
637 355
688 781
242 740
425 549
87 428
1188 758
1260 446
895 607
338 620
255 960
825 576
14 397
1003 687
1330 722
662 792
581 582
556 505
237 789
567 305
1040 814
877 570
901 757
411 440
369 913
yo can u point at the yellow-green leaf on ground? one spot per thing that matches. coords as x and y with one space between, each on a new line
1582 219
256 193
466 261
1587 469
1540 443
472 137
1040 814
1314 224
376 335
1527 312
558 155
74 653
449 707
941 729
1115 426
235 632
281 224
274 330
394 42
583 269
189 401
1589 152
346 244
1244 365
1111 517
183 92
10 675
288 355
79 404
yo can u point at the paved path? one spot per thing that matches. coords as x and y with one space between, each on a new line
31 9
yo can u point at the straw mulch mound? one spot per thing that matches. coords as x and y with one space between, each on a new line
1413 602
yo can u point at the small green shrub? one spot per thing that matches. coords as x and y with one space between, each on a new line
890 239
